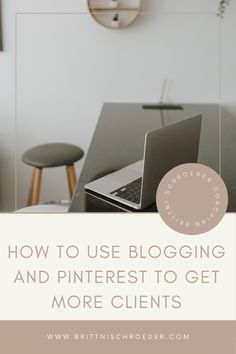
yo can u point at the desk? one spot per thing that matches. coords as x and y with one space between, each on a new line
118 141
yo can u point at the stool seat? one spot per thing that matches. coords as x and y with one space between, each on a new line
52 155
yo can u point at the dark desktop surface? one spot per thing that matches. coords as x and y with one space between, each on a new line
118 141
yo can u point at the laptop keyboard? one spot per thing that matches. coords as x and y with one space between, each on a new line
130 192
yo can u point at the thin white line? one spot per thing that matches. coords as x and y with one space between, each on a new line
140 13
220 96
15 131
70 13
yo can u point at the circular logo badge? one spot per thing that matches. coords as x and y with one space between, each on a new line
192 199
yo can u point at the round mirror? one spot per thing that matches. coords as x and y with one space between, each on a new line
115 14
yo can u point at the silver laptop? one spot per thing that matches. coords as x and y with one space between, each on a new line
165 148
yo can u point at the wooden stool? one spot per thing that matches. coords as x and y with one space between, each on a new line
51 155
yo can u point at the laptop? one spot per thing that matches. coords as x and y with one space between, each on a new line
165 148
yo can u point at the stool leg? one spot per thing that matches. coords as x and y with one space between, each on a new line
72 179
35 187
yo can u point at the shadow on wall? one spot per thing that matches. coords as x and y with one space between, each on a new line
228 166
150 6
1 40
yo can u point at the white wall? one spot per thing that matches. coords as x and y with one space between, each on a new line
68 65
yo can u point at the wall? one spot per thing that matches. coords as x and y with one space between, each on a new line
67 66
